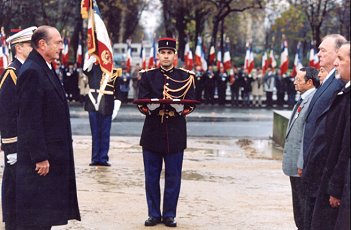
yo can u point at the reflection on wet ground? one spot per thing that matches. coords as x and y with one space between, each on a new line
225 183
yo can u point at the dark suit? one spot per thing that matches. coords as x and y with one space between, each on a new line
44 133
315 142
164 138
338 150
8 129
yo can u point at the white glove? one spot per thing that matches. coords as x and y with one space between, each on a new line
88 63
178 107
153 106
116 107
12 158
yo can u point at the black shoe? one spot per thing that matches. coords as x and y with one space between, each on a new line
170 222
104 164
152 221
93 164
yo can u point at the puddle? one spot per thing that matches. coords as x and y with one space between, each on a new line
261 149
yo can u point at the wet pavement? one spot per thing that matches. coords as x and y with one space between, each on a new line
205 121
229 182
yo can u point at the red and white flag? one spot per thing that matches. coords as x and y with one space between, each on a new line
271 60
65 51
284 58
129 55
219 58
297 61
152 56
212 55
79 57
249 64
264 62
313 58
227 61
188 57
142 56
198 52
98 41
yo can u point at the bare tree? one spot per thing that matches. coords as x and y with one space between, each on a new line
223 9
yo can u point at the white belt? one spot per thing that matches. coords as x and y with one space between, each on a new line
101 91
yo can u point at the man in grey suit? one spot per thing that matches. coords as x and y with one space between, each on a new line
315 137
306 82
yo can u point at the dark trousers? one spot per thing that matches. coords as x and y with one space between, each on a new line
309 206
298 199
269 99
8 194
173 173
235 96
209 93
100 126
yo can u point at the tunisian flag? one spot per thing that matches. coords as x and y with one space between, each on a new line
98 41
284 58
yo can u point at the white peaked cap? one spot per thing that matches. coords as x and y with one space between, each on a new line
22 36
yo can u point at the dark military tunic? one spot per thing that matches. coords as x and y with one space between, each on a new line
165 134
8 129
108 95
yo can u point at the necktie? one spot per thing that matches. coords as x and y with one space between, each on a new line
295 109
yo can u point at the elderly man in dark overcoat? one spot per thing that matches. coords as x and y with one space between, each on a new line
46 188
337 117
315 137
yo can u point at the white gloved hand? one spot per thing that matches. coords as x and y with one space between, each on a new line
88 63
178 107
153 106
116 106
12 158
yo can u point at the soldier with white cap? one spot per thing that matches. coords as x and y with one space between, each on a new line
20 44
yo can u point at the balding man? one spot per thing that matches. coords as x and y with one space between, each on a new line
45 179
337 117
315 138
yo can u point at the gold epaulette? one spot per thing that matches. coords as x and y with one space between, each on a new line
146 70
188 71
9 71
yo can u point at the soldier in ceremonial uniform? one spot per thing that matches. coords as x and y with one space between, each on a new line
164 133
21 47
102 102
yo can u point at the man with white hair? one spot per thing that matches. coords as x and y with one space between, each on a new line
329 198
315 137
21 47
